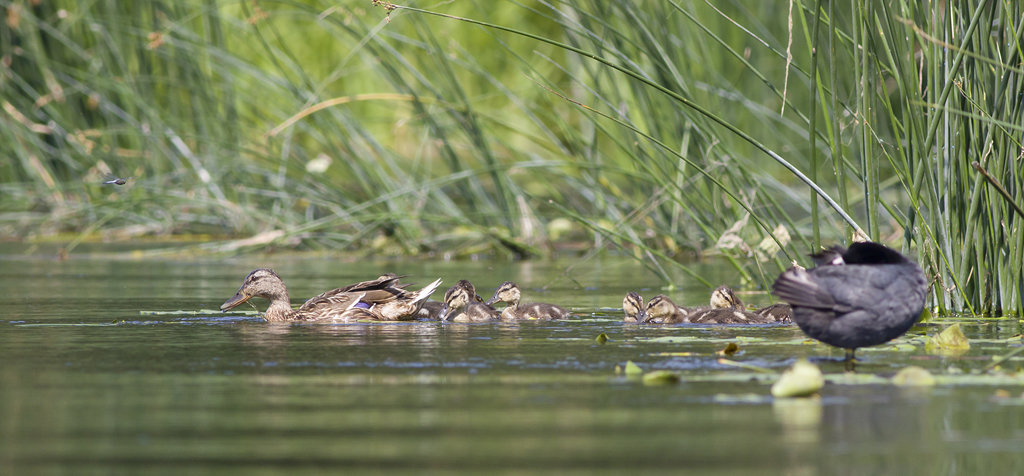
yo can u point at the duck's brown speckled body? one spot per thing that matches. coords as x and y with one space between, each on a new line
379 299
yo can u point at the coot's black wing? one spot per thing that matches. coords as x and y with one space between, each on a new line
801 288
842 289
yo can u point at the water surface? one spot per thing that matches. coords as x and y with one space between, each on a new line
89 385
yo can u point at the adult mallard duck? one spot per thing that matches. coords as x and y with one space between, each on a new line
461 306
632 306
509 293
379 299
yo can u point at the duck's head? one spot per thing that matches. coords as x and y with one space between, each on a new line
659 307
455 298
468 286
264 283
507 292
632 305
724 297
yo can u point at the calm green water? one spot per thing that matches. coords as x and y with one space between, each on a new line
88 385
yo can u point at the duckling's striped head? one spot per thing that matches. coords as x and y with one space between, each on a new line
455 298
507 292
632 306
724 297
657 308
468 286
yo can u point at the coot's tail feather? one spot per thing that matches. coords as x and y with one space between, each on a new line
796 287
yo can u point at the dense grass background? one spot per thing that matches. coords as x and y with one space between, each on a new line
666 129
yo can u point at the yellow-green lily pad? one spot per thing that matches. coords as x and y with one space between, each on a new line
950 341
913 376
803 379
661 377
632 370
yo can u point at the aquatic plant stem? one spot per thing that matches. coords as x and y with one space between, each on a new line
999 187
674 95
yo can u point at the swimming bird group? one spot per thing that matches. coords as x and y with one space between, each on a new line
386 299
725 308
855 297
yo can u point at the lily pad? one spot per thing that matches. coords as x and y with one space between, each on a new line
632 369
950 341
926 316
803 379
661 377
913 376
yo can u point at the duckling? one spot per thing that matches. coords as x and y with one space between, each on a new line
459 306
727 308
861 296
779 312
509 293
365 300
432 309
661 310
632 306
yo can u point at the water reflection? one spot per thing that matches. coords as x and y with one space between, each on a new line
89 385
800 419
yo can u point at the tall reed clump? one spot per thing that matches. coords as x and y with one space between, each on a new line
670 130
882 105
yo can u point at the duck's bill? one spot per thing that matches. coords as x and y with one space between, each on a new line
490 301
232 303
443 313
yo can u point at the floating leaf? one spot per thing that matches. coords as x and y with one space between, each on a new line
729 349
913 376
853 378
660 377
632 369
744 365
926 316
747 398
602 338
801 380
950 341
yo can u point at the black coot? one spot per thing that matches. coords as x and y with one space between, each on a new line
864 295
